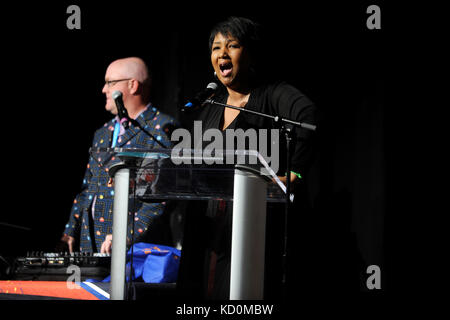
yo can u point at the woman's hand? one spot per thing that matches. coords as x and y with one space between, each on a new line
284 179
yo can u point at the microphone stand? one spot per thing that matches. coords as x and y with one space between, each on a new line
137 124
287 133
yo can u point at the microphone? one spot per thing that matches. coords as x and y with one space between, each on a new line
200 98
122 112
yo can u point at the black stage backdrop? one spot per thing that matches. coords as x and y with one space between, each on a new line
55 76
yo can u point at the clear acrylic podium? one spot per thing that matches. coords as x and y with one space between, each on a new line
243 177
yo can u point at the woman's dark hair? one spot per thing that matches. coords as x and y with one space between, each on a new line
244 30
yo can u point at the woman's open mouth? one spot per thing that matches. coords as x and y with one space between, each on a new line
225 69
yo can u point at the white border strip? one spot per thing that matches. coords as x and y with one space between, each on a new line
97 289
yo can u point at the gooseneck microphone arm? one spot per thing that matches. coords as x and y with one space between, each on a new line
137 124
277 119
125 118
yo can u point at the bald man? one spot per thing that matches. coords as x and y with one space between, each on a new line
131 77
90 221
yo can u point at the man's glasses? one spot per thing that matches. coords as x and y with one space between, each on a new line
111 83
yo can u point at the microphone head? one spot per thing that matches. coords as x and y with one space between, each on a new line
202 96
116 94
212 86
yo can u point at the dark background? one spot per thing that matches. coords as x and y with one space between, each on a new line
55 104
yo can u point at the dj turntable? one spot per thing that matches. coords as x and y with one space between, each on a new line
60 266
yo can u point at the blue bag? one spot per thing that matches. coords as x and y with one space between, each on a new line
153 263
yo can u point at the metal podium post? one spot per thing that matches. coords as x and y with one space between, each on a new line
119 246
248 237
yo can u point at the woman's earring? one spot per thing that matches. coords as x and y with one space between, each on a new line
215 75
